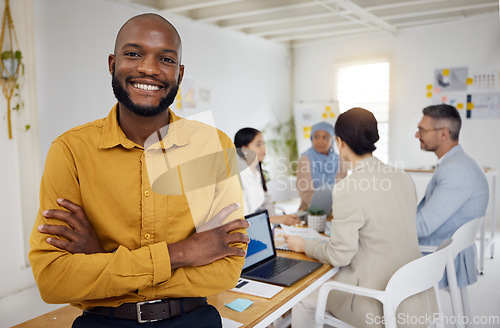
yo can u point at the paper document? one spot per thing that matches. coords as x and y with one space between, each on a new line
256 288
228 323
306 233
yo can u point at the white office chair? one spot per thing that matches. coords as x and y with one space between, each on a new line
415 277
463 238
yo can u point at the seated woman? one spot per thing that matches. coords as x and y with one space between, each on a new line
319 165
251 148
373 231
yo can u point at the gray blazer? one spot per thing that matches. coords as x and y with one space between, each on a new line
457 193
373 234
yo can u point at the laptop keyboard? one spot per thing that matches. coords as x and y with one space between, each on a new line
275 267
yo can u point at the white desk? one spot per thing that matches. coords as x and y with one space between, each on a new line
422 176
266 311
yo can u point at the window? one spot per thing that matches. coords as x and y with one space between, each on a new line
367 86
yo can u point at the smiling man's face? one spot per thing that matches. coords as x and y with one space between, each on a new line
146 65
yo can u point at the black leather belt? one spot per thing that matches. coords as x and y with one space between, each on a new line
151 310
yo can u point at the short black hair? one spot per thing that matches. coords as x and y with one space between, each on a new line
446 113
357 127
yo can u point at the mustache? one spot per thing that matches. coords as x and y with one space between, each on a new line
164 84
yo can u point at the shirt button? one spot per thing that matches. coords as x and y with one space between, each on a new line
147 236
146 193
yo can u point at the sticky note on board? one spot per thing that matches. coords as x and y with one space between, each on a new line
429 94
328 108
460 106
429 86
239 304
470 106
324 115
332 115
446 72
470 81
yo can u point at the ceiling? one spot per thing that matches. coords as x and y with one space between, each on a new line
297 22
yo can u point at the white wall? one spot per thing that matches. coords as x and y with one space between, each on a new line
20 165
247 77
413 55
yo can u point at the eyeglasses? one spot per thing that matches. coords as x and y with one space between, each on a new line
423 131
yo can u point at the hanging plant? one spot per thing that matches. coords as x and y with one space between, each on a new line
11 66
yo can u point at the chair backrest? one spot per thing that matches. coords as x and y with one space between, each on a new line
418 275
465 236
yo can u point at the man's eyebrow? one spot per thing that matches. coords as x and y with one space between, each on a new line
135 45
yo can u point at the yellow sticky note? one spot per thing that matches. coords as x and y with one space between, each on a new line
307 135
460 106
446 72
429 86
324 115
429 94
470 81
332 115
328 108
470 106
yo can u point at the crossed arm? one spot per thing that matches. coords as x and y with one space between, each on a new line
80 259
204 247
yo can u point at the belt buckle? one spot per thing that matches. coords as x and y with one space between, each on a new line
139 312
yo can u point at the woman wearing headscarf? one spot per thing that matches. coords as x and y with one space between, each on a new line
319 165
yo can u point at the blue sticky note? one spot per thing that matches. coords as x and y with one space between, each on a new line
239 304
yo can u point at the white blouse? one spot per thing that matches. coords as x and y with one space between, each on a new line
254 196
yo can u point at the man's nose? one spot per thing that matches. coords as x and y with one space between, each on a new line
149 66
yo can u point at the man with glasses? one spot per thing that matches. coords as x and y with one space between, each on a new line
458 191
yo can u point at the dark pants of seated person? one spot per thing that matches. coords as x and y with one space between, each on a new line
206 316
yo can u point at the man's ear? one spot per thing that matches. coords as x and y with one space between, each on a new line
181 74
444 133
111 63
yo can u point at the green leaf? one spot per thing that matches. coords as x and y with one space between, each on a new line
7 54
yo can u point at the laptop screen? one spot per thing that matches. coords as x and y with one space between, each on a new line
261 244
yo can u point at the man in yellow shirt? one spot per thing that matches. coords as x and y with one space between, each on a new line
139 217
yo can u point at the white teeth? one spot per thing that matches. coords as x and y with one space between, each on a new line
146 87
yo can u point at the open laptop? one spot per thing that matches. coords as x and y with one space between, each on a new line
322 199
261 262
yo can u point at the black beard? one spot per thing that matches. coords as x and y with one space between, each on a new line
123 97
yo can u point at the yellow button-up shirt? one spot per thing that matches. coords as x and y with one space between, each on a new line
138 201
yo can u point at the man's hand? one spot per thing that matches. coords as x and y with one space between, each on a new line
211 242
80 235
296 243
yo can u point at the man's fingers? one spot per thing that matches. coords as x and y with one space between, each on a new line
58 230
62 244
65 216
77 209
237 237
236 224
235 251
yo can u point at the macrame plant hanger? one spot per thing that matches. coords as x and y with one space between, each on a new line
10 62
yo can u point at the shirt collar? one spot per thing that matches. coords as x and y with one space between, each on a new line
113 135
448 154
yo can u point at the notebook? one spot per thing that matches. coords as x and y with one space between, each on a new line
322 199
261 262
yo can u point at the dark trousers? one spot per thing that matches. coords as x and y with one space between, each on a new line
206 316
